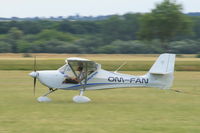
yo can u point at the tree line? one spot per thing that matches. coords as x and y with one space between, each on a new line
164 29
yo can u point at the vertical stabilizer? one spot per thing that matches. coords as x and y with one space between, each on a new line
161 74
164 64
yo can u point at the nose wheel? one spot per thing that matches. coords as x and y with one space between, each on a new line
44 98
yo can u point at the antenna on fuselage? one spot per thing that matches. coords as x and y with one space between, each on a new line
120 67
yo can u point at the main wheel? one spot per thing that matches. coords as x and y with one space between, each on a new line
81 99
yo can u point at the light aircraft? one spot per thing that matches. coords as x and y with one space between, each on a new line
83 74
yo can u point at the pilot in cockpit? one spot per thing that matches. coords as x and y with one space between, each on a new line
80 75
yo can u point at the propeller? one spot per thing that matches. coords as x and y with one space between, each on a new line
34 75
34 69
34 84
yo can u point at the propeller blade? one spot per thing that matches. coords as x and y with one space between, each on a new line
34 84
34 69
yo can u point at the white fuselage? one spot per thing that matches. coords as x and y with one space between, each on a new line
100 79
160 75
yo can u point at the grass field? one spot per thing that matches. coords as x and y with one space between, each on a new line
136 62
128 110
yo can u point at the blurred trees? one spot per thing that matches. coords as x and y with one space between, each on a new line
165 29
165 22
196 27
5 47
78 27
120 27
14 35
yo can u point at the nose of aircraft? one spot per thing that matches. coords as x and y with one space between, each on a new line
33 74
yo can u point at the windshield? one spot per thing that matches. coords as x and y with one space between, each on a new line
64 68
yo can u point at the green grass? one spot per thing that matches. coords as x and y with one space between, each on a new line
44 64
127 110
135 62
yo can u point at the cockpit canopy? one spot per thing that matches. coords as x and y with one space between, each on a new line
75 65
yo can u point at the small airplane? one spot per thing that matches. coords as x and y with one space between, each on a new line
83 74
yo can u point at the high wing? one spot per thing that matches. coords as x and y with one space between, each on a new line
76 59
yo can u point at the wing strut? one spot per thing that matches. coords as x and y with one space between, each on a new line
85 79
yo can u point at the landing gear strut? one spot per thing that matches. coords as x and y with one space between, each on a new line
44 98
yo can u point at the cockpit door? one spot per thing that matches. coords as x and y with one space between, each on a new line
81 69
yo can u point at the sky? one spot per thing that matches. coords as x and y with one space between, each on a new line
55 8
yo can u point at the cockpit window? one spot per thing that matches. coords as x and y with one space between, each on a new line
77 71
64 69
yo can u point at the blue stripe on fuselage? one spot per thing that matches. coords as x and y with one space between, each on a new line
87 85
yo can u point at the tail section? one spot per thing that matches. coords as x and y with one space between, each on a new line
161 74
164 64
